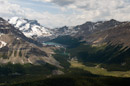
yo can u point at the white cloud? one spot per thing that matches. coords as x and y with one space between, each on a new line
94 10
8 10
81 11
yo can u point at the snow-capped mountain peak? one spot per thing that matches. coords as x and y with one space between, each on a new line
30 28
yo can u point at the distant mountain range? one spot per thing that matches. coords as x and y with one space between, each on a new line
32 29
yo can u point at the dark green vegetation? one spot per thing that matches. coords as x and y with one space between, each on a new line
10 74
69 41
110 57
62 57
17 69
74 77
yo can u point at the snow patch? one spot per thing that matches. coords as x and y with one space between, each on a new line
18 38
13 20
2 44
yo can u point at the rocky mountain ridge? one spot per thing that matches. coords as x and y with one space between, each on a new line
32 29
15 48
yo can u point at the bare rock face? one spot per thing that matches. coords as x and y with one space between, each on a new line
92 27
15 47
116 35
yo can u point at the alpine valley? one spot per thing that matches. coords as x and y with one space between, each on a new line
91 54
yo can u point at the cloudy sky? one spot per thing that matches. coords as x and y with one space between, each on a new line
55 13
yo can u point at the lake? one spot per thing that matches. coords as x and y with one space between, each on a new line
51 44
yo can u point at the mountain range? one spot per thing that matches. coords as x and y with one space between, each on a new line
102 44
109 33
93 50
32 29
